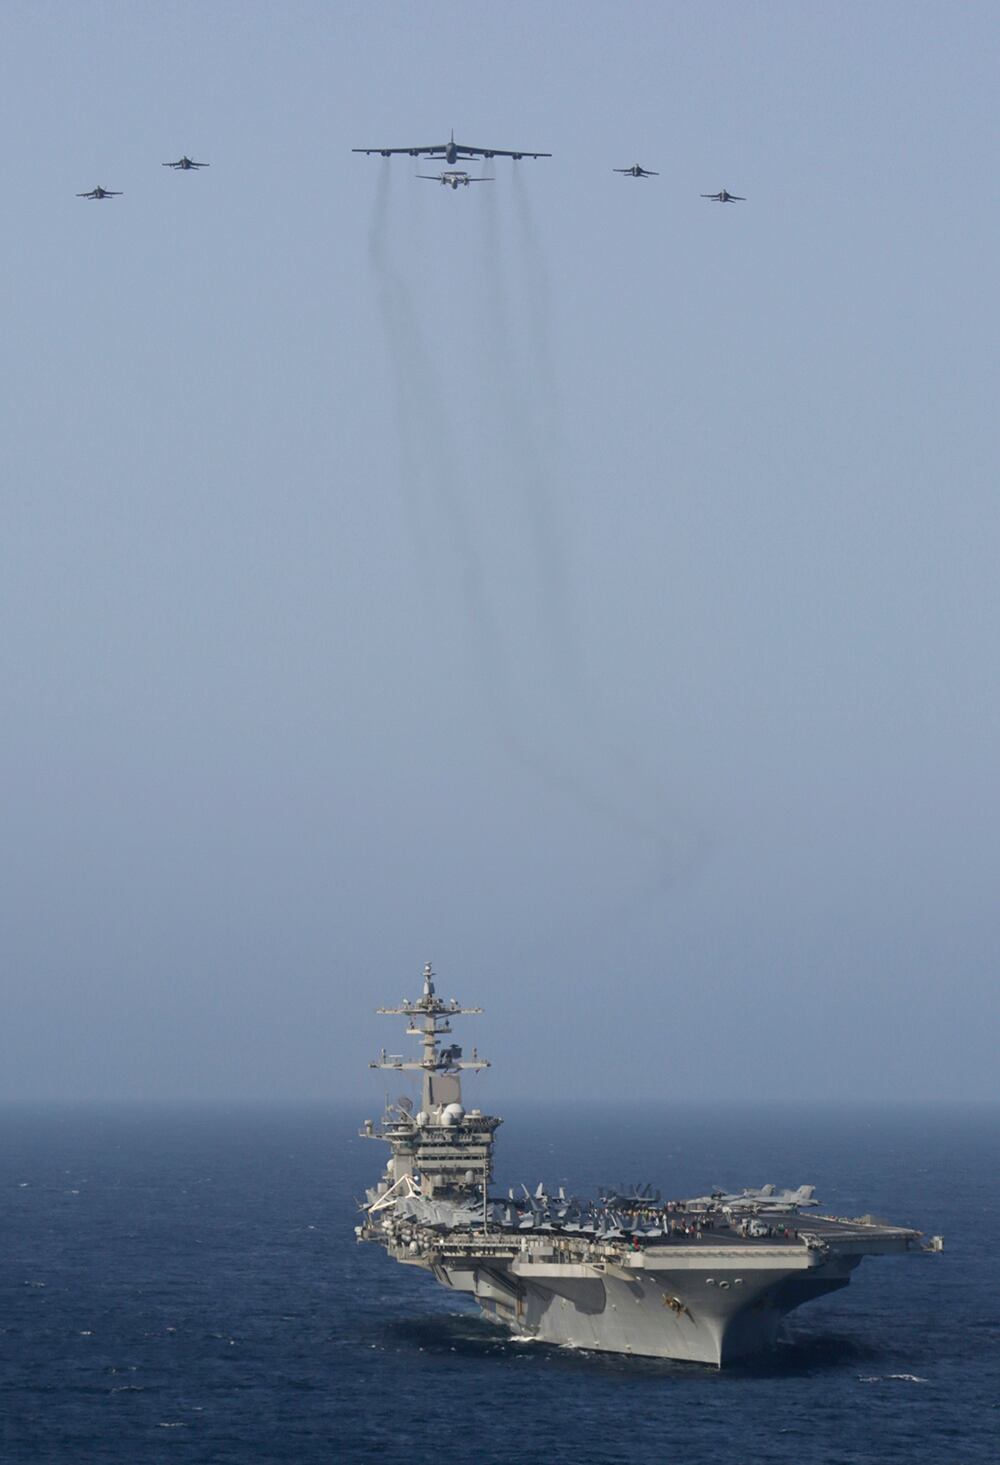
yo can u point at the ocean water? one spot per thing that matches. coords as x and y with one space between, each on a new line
184 1286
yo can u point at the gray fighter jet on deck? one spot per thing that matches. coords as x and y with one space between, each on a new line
637 171
767 1197
452 177
186 163
451 152
725 197
100 192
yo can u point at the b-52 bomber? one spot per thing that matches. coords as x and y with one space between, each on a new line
724 197
186 163
637 171
452 177
100 192
450 152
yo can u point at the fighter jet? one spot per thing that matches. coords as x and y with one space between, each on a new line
186 163
451 152
725 197
768 1197
636 1195
100 192
637 171
452 177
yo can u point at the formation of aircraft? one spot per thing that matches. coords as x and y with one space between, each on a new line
184 163
451 151
452 177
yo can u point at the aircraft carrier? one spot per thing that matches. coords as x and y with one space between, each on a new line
706 1279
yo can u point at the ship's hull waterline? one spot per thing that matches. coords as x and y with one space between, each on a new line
706 1312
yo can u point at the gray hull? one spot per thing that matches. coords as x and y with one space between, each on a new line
712 1315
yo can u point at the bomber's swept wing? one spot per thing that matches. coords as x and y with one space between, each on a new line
451 151
472 152
421 152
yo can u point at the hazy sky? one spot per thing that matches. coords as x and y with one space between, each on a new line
588 587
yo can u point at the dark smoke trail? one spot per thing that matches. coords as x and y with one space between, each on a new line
427 443
426 451
527 477
387 288
571 682
429 467
551 456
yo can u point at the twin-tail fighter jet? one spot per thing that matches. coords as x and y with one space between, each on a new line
637 171
100 192
768 1197
186 163
452 177
451 152
724 197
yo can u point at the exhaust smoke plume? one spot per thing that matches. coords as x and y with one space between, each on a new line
510 562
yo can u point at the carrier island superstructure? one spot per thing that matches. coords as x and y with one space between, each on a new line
707 1279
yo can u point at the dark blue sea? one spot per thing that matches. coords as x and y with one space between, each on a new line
185 1285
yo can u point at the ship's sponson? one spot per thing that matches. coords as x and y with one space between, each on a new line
704 1296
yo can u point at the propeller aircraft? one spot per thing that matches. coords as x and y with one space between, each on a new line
452 177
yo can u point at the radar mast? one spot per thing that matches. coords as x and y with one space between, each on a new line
442 1151
429 1021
